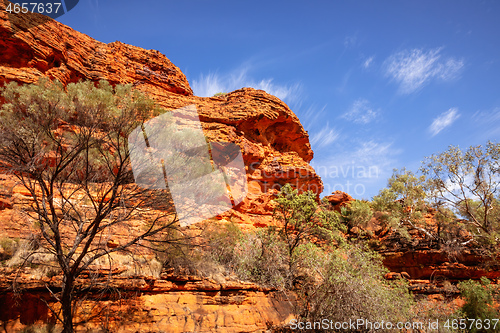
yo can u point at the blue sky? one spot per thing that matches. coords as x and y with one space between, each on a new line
377 84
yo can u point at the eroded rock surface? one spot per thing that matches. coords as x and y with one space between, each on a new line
275 149
168 303
275 146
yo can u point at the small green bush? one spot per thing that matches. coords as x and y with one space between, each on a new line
260 257
429 311
223 241
478 301
8 247
357 213
263 259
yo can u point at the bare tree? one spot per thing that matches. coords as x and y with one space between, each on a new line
68 147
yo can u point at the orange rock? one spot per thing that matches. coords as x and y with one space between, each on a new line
112 244
426 264
392 276
155 305
5 204
34 46
276 151
338 199
275 146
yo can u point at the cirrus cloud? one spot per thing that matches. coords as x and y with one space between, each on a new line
361 112
324 137
444 120
212 83
413 69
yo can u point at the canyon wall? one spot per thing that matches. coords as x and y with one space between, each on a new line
275 149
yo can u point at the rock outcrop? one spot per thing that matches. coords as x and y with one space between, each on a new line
34 46
430 267
275 146
338 199
275 149
168 303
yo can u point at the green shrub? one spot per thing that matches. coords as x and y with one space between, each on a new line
478 300
222 242
357 213
8 247
260 257
353 287
443 312
301 219
263 259
296 216
183 257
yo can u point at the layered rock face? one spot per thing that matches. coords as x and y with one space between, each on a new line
431 268
274 144
275 150
34 46
168 303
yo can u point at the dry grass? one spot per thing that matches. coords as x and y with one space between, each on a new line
44 263
37 328
31 254
134 264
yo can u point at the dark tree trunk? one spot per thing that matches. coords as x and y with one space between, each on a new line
66 304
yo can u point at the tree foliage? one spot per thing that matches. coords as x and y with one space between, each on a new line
468 182
357 213
403 203
352 287
299 217
408 202
478 296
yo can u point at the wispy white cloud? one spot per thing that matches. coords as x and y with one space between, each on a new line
487 116
324 137
311 116
488 123
412 69
368 62
361 168
376 154
362 156
208 85
361 112
444 120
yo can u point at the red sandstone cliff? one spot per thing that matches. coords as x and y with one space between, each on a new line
275 146
168 303
275 149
